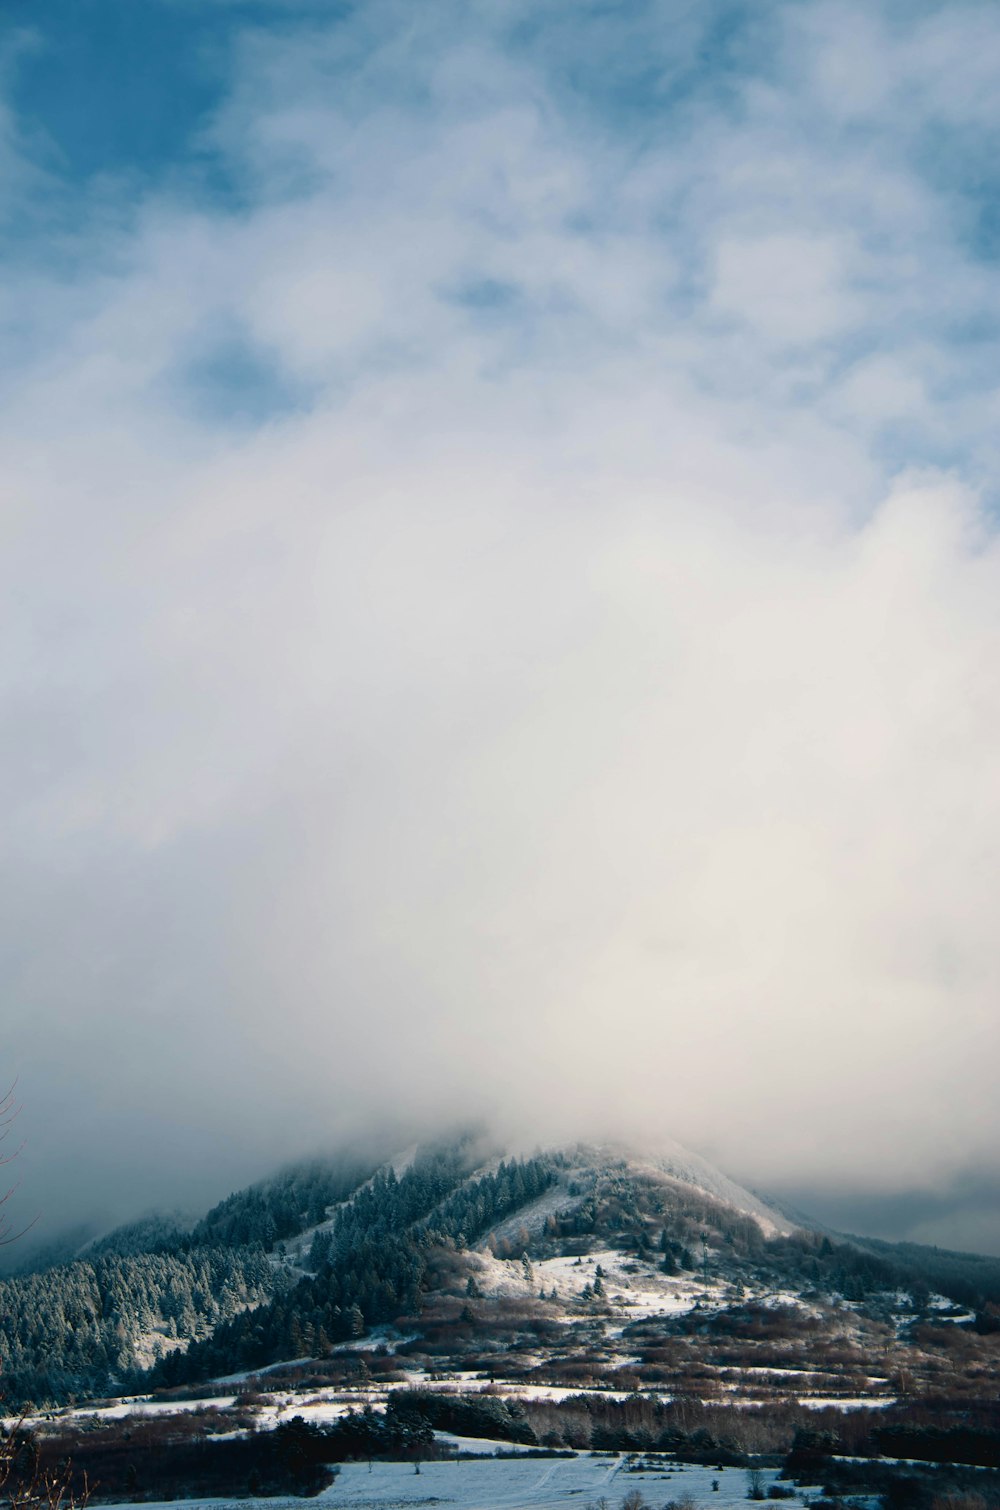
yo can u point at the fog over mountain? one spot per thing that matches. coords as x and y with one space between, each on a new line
500 591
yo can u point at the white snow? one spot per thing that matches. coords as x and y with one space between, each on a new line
134 1405
521 1483
632 1289
686 1168
847 1402
486 1446
246 1375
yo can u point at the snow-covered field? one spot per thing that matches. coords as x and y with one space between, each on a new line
523 1483
132 1405
532 1484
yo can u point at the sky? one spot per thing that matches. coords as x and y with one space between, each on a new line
500 588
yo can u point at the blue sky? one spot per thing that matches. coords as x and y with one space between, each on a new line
500 538
116 108
109 87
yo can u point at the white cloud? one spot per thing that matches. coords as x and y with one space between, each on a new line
789 289
585 702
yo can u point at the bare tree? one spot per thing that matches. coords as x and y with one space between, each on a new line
755 1484
25 1484
634 1500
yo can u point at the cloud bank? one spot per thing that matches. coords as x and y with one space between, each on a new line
500 598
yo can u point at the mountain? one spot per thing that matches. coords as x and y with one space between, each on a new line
603 1267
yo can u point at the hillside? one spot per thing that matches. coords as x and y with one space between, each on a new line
455 1296
603 1272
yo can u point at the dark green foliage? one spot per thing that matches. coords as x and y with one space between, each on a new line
382 1275
73 1330
813 1258
401 1432
904 1486
643 1213
480 1204
158 1460
471 1415
811 1447
859 1268
940 1444
370 1263
973 1279
150 1234
282 1206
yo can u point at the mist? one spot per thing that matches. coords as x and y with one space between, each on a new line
500 607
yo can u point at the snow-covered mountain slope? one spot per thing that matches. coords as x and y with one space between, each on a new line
687 1168
584 1262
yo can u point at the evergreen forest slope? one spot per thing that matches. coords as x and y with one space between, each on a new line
576 1267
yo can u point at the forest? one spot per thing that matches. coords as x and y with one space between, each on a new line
214 1299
